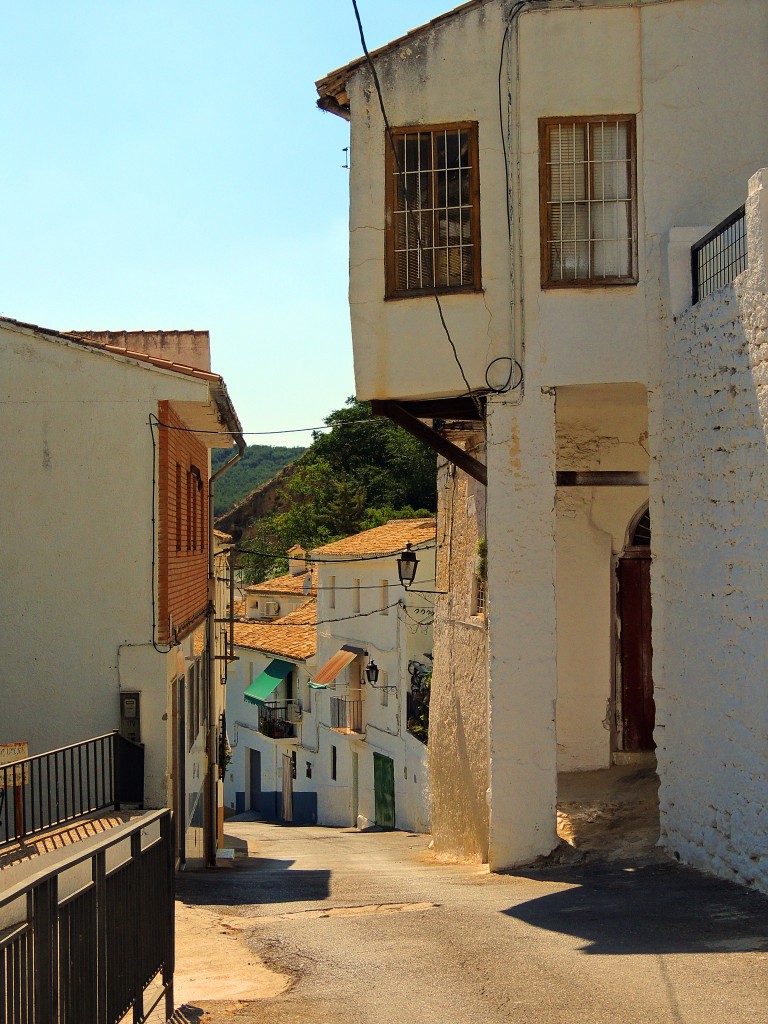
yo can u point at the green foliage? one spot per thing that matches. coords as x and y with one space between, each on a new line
352 478
482 558
259 464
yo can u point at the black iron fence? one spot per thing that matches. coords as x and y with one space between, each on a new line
346 714
720 256
81 942
48 790
277 719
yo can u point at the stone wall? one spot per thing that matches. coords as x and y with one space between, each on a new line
709 508
458 734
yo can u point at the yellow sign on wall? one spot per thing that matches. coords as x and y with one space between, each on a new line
10 752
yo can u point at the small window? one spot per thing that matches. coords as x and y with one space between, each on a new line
331 591
433 210
293 764
333 762
355 596
384 691
588 201
480 601
384 597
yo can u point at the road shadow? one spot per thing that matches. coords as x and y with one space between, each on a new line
661 908
258 880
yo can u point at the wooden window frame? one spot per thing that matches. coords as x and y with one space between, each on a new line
545 124
390 173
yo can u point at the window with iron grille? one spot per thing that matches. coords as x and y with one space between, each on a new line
433 210
588 201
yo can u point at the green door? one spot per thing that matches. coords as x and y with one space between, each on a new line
384 790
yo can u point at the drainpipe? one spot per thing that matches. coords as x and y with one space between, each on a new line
212 825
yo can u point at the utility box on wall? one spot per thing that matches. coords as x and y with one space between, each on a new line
130 715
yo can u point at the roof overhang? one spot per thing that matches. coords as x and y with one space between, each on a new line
332 89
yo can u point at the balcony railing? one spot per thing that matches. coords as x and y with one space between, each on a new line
40 793
346 714
720 256
83 940
277 719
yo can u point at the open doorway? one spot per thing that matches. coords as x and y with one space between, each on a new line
636 716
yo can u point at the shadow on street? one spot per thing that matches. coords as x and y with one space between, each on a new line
620 910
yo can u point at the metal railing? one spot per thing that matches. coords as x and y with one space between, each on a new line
277 719
720 256
48 790
346 714
81 942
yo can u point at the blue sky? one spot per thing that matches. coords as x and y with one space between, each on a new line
164 166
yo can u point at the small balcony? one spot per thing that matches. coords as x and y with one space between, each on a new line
278 719
346 715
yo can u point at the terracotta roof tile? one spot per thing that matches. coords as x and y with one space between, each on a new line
293 636
288 584
382 540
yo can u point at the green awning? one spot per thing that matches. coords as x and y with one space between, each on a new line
269 680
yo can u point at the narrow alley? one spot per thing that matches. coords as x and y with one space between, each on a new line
327 925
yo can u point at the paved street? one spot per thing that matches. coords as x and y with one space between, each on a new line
365 928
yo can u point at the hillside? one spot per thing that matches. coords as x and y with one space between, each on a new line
259 464
360 474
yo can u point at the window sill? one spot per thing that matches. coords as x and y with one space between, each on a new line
431 293
623 282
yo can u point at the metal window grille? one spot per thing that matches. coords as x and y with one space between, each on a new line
720 256
588 204
480 597
434 210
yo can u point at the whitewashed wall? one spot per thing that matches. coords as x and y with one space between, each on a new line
710 521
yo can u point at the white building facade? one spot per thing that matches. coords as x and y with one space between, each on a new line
108 612
549 191
319 741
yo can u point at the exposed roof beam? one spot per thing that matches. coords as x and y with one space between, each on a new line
396 412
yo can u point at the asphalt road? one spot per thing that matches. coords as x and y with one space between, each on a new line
369 930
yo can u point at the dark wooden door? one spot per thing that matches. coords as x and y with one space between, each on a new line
638 711
384 790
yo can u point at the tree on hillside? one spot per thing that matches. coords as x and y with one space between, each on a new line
356 476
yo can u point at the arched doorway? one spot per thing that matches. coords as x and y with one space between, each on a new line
635 684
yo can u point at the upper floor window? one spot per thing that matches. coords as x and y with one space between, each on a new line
433 210
588 201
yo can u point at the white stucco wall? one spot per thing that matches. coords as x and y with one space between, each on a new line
710 516
79 585
522 629
390 639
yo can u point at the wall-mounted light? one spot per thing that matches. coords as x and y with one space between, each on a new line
407 564
372 672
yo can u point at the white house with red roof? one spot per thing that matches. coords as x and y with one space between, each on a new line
327 708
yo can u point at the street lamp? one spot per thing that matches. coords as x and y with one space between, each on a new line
407 564
372 672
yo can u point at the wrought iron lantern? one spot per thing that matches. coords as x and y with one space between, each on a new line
372 672
407 564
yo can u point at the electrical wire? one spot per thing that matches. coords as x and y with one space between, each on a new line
321 622
325 561
378 421
408 209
